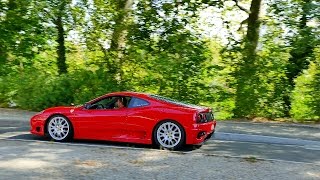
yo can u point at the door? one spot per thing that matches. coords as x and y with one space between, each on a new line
140 120
103 120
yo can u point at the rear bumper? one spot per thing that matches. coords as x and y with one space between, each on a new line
37 123
201 132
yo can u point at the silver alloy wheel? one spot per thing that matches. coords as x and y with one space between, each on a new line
169 135
58 128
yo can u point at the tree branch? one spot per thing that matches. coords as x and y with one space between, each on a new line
240 7
242 23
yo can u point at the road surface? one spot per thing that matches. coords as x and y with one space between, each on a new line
270 141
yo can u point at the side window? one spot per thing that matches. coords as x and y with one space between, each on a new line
136 102
111 102
106 103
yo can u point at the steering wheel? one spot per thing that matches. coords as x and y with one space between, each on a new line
100 106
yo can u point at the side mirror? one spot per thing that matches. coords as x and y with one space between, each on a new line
86 106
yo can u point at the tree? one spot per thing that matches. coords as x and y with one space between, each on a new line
247 82
60 14
123 8
303 45
295 16
306 96
162 55
106 32
61 50
21 33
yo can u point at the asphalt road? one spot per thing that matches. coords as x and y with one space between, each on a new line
269 141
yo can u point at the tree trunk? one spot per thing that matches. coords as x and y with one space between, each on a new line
123 6
61 51
247 81
3 60
3 55
252 36
118 40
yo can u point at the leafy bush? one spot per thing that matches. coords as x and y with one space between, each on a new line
306 95
34 90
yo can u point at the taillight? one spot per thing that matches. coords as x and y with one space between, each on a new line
204 117
201 118
198 118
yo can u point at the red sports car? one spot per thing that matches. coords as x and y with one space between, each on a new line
128 117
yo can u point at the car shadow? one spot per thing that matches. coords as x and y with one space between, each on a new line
27 136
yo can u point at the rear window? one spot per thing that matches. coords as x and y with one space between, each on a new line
172 101
136 102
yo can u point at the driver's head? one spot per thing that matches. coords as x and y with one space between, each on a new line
119 102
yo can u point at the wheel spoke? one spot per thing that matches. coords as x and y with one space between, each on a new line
176 138
173 127
170 142
166 142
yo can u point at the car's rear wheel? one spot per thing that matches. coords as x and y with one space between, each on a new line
169 135
59 128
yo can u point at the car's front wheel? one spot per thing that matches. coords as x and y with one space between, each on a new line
59 128
169 135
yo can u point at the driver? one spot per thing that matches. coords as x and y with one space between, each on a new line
119 103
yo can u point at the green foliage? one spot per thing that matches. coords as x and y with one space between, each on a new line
272 81
21 33
34 90
306 95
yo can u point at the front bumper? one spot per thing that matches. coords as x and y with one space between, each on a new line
201 132
37 124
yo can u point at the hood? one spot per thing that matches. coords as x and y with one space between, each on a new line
61 109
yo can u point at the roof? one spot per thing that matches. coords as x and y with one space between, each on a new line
129 93
122 93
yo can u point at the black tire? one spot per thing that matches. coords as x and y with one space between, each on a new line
178 142
57 128
209 136
198 146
